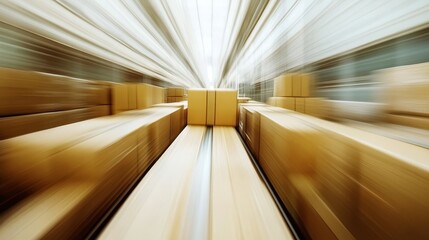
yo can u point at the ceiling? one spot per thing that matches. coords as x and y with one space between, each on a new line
213 43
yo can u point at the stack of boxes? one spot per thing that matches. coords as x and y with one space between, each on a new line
212 107
294 91
406 94
340 182
33 101
130 96
105 154
176 94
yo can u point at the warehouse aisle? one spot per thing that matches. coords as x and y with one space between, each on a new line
203 187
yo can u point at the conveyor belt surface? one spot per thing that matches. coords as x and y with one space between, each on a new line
198 191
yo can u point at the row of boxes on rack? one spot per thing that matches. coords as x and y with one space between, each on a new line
34 101
130 96
339 182
61 182
176 94
405 91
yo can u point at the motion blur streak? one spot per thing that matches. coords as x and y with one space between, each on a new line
241 41
330 97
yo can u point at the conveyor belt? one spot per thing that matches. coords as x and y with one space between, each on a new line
202 187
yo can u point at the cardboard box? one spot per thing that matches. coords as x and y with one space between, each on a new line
411 121
120 99
104 93
296 85
154 138
285 102
24 124
132 96
394 180
288 147
101 110
158 95
337 175
307 85
182 106
180 92
179 99
300 105
317 107
226 107
24 174
251 130
176 119
26 92
283 85
318 220
144 96
171 92
211 102
175 92
272 101
197 106
405 89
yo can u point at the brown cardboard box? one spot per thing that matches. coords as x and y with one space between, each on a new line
144 96
101 110
251 130
171 99
175 92
158 95
317 107
300 105
296 85
176 123
226 107
183 111
154 138
120 98
197 106
179 99
319 221
180 92
211 102
272 101
285 102
103 92
307 85
25 92
283 85
405 89
394 180
282 153
24 174
171 92
241 115
24 124
392 177
132 96
411 121
65 196
337 175
96 156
